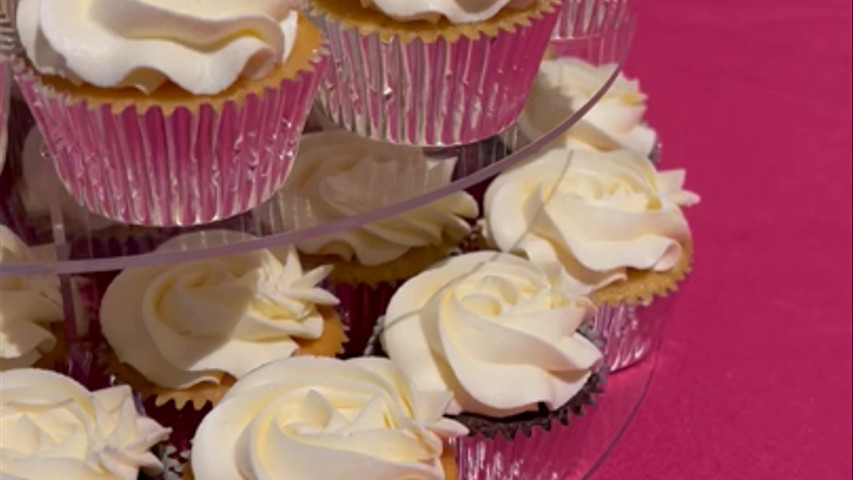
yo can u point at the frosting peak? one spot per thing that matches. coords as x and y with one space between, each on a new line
456 11
564 85
54 428
339 175
29 304
319 419
592 214
202 46
191 323
492 330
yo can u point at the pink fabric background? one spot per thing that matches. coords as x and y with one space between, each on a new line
753 97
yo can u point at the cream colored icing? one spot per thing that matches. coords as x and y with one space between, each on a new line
202 46
189 323
564 85
54 428
456 11
339 175
28 304
321 419
493 330
593 214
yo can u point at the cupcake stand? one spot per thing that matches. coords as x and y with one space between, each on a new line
86 251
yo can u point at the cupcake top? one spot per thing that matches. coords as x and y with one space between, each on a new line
203 47
455 11
54 428
190 323
493 330
29 303
594 214
320 419
564 85
339 175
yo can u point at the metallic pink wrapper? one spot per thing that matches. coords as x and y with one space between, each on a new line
540 452
361 306
430 93
535 457
176 169
583 19
631 332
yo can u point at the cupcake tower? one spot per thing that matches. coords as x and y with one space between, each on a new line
457 339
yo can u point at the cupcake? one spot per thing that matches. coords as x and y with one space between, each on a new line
31 314
607 220
501 337
53 427
169 113
322 419
431 73
564 85
340 175
185 333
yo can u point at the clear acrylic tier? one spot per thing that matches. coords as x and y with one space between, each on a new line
38 208
86 250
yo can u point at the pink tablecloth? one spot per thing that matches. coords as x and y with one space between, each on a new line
753 97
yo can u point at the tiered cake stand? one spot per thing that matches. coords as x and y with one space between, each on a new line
85 247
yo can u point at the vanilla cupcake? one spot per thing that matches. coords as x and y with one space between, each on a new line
501 337
340 175
193 110
31 312
185 333
607 220
321 419
53 427
564 85
431 73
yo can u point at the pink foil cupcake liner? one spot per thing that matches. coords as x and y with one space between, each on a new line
185 167
430 93
361 306
532 449
589 18
631 332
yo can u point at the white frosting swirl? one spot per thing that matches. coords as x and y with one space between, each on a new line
456 11
202 46
186 324
566 84
339 175
495 331
28 303
54 428
594 214
321 419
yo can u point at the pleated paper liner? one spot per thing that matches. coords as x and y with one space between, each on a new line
174 159
630 315
429 84
365 291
